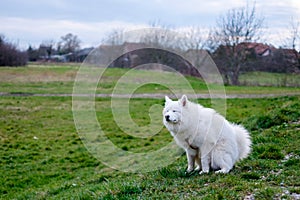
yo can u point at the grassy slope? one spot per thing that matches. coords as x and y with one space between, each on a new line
42 157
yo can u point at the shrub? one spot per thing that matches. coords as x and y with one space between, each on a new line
10 55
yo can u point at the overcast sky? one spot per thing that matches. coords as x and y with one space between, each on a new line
28 22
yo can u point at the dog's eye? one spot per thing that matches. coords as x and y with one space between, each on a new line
174 110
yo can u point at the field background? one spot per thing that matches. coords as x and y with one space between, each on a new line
59 79
42 156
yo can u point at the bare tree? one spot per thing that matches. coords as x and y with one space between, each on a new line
115 37
233 31
195 38
294 34
69 43
159 38
48 47
293 41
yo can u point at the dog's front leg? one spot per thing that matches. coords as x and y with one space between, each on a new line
191 156
205 162
198 162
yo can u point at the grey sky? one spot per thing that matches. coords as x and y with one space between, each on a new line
33 21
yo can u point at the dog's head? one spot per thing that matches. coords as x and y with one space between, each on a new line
173 110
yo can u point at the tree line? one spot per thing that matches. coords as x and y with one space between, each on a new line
50 50
10 55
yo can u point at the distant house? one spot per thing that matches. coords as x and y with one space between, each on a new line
249 48
259 56
132 58
259 49
55 58
130 55
131 46
123 56
59 58
291 55
80 55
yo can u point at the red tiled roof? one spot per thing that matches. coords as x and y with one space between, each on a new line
259 48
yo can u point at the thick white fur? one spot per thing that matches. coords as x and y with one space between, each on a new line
207 137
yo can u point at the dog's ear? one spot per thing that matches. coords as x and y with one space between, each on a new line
167 100
183 100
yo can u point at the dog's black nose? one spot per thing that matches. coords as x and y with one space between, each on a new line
167 117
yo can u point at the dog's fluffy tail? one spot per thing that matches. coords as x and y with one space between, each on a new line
243 140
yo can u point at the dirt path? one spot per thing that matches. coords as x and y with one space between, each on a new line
155 96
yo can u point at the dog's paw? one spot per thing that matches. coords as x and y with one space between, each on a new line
203 172
189 170
197 169
222 171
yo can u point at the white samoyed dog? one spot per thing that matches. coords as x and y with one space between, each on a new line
209 140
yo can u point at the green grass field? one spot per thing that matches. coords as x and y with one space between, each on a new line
270 79
53 79
43 157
